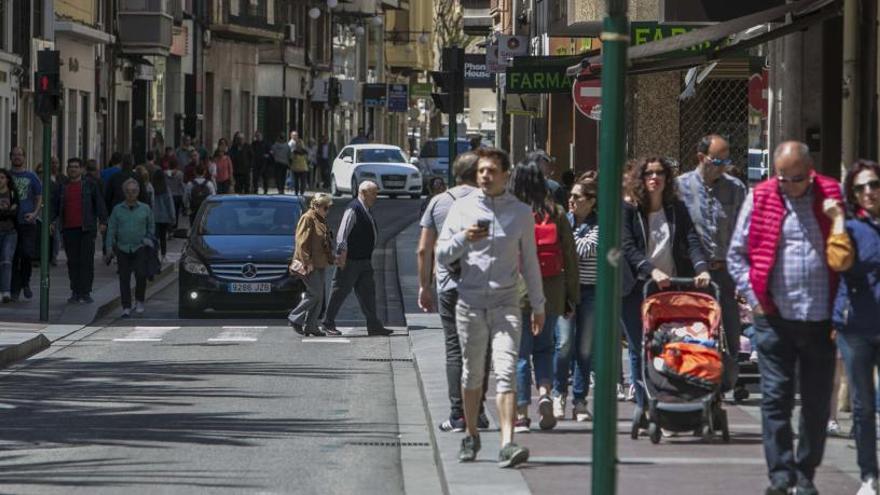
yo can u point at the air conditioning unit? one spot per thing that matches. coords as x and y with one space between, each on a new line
290 33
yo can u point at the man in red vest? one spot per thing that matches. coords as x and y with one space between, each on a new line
777 258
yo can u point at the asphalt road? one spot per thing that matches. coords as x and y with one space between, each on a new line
160 405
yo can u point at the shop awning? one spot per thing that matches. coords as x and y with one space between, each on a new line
665 54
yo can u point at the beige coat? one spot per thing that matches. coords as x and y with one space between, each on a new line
313 241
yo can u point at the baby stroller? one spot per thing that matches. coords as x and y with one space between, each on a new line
682 364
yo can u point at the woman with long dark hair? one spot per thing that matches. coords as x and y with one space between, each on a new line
163 209
8 234
559 274
854 250
659 242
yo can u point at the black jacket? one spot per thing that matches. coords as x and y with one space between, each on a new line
687 252
261 153
242 158
94 209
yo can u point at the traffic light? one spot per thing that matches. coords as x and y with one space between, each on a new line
333 91
47 83
450 82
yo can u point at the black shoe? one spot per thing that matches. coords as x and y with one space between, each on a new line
379 332
512 455
86 300
805 487
332 331
483 421
469 448
27 292
73 299
296 327
315 332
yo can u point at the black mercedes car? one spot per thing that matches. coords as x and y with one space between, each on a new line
237 254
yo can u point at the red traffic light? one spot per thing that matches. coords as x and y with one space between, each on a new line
44 83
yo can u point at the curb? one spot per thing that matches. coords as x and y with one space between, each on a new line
160 282
435 447
22 350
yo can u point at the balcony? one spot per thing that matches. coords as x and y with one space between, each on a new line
248 22
477 17
145 26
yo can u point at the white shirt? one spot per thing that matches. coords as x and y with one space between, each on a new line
660 243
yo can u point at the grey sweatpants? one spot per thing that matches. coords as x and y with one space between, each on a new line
475 328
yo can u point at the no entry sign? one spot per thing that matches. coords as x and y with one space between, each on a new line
587 96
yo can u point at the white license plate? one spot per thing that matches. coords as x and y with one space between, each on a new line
249 288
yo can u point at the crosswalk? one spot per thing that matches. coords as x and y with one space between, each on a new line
229 334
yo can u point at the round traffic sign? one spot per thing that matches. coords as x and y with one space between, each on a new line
587 96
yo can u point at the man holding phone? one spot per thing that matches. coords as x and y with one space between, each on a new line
492 235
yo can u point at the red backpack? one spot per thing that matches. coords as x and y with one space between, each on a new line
549 246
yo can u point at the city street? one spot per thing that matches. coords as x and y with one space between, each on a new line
157 404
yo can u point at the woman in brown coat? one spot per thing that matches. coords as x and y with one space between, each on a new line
311 258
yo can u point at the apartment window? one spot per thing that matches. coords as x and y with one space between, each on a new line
226 114
270 11
246 115
235 7
73 134
84 130
4 27
38 18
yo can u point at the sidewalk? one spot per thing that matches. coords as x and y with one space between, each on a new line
22 333
560 458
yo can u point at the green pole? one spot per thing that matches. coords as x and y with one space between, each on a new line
44 234
615 39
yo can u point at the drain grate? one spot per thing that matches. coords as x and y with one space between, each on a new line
387 360
391 443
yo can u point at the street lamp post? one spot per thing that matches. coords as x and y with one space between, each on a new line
615 39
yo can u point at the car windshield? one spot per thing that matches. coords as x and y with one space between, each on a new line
380 155
256 217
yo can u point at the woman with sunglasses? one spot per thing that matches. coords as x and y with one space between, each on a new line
659 242
854 250
313 254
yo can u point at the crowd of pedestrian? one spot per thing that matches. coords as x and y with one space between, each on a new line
516 278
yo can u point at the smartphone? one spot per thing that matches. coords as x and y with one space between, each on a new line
484 224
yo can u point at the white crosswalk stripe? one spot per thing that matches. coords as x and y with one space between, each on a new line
146 334
238 334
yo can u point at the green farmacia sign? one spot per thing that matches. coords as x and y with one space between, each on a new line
541 75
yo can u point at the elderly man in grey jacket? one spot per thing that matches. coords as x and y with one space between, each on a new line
491 235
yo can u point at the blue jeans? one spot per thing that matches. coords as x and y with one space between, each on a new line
861 356
537 350
8 242
571 335
787 349
632 324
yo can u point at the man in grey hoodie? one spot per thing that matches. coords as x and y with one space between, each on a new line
491 234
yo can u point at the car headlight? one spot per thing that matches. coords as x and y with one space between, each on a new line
367 175
194 266
416 176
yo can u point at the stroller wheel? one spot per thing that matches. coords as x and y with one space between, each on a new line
634 432
654 432
740 393
638 423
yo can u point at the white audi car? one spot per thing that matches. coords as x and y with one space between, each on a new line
386 165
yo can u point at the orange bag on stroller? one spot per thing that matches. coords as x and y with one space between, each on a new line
694 363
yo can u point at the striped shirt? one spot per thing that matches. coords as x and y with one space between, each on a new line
586 243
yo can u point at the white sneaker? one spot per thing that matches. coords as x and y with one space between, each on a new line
139 307
559 407
126 312
581 413
620 394
631 393
833 427
869 487
753 357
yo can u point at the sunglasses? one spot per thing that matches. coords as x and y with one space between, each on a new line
654 173
792 180
721 162
872 185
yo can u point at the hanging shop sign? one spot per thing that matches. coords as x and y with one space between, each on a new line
420 90
541 75
646 32
398 98
375 95
476 75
